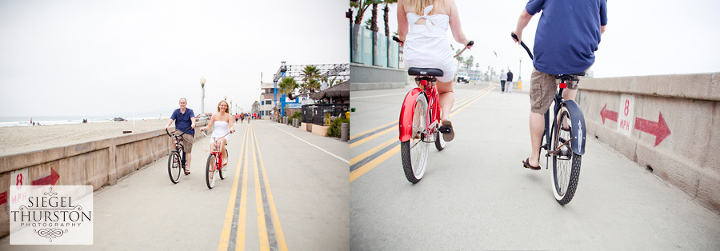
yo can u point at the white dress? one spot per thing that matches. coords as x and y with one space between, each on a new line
221 128
427 45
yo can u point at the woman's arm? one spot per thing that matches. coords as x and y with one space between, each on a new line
402 20
232 124
457 31
211 123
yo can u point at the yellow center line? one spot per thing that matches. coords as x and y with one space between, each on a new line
279 236
242 221
262 226
395 122
368 131
225 235
472 101
372 164
394 128
371 151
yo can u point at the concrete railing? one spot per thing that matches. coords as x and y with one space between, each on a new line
368 77
669 124
97 163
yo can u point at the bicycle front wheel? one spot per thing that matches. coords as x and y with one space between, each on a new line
439 141
415 151
210 169
174 167
566 163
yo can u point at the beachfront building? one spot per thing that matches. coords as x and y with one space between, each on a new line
266 100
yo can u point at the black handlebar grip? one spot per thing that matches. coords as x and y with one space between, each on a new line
523 45
396 39
471 43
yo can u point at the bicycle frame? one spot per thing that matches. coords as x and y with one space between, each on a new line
425 85
577 121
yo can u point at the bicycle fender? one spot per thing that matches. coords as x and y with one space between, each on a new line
578 126
406 114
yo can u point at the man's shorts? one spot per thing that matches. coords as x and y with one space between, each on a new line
187 141
542 91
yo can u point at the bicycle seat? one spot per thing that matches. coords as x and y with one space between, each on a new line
569 77
416 71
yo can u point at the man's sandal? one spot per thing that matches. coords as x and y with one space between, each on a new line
526 164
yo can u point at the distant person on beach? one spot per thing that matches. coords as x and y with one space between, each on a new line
509 81
503 77
184 119
222 126
31 121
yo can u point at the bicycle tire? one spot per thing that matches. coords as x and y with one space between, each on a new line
174 167
566 163
221 170
210 171
439 141
414 152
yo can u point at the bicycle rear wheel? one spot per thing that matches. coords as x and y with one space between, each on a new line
415 151
174 167
222 170
210 169
566 163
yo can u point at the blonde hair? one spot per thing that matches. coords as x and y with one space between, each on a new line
420 6
227 110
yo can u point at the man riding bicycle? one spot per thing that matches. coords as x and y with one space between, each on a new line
566 39
184 119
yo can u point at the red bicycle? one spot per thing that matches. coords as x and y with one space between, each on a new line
214 162
420 120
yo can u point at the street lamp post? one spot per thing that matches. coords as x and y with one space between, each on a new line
520 75
230 106
202 97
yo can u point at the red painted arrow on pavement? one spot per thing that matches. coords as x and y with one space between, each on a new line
608 114
659 129
47 180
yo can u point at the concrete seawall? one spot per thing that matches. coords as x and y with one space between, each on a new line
668 124
97 163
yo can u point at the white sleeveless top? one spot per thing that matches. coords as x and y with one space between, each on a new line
427 45
220 128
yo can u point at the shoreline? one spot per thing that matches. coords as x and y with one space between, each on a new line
19 139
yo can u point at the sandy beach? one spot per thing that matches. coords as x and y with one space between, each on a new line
17 139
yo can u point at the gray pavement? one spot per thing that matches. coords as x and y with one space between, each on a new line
305 198
476 194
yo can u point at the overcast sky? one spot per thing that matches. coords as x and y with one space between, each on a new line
73 57
643 37
88 58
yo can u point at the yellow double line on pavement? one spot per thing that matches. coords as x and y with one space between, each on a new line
368 160
236 213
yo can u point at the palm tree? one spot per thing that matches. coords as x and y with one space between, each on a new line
312 85
309 72
469 61
386 11
287 85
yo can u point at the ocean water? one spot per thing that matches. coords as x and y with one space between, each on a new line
60 120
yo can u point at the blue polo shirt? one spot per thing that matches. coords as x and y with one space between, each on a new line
567 35
183 120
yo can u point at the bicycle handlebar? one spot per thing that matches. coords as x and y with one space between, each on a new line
523 45
208 136
168 133
471 43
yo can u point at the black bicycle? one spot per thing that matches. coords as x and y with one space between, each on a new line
565 142
176 162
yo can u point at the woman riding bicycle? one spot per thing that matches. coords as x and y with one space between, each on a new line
422 28
222 124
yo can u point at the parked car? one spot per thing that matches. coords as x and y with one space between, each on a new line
463 77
